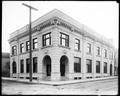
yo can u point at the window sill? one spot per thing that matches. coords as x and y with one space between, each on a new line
46 47
105 57
29 51
89 53
98 56
13 55
64 47
77 50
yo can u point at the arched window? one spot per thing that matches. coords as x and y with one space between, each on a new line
63 65
47 64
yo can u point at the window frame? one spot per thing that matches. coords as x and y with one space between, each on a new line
98 51
27 45
14 50
89 66
89 45
35 64
66 39
77 44
97 67
77 66
105 53
44 39
21 47
35 43
27 65
22 66
105 67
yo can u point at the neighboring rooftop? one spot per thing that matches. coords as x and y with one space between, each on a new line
5 55
61 15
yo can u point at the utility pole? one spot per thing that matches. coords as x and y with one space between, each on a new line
30 39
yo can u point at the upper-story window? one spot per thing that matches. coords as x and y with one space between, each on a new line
46 39
64 39
111 55
21 47
105 52
14 50
34 43
27 45
77 44
88 48
98 51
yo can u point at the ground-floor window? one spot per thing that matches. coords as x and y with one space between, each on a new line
105 67
97 66
34 64
27 65
89 65
14 70
77 64
110 69
22 66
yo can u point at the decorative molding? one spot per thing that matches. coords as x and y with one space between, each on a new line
55 21
46 52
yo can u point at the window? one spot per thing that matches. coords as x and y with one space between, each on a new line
27 65
35 65
105 67
77 44
64 40
21 48
77 64
22 66
98 51
97 66
89 65
14 67
46 39
14 50
111 55
105 52
34 43
89 48
27 45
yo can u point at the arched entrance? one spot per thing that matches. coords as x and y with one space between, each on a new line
63 65
14 67
47 64
110 69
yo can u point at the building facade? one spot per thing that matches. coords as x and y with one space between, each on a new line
5 64
62 49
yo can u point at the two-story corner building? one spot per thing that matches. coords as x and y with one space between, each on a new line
62 49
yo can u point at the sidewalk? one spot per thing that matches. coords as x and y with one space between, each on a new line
57 83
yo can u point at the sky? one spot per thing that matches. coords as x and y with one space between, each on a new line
101 16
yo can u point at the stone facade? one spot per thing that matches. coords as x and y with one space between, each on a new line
55 54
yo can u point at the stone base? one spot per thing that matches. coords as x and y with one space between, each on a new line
55 76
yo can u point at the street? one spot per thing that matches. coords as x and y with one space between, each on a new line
108 87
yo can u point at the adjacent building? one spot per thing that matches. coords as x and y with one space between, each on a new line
62 49
6 64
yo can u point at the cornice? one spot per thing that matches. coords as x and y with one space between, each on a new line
56 21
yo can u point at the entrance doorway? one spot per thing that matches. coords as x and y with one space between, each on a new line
63 65
47 63
110 69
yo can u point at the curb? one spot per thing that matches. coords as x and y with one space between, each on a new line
58 83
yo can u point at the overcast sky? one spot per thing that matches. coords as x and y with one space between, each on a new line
101 16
